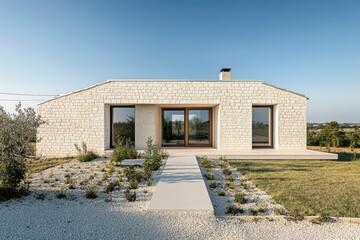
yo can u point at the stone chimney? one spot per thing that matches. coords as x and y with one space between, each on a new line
225 74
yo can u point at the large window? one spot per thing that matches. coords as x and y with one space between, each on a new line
186 127
262 126
122 124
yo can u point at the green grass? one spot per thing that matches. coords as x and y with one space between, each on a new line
34 165
308 187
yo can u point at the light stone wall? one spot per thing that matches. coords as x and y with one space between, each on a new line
85 115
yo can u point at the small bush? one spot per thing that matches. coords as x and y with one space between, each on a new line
234 210
130 196
223 158
240 198
124 151
205 162
131 173
40 196
85 155
105 177
245 186
229 178
149 182
212 184
226 171
210 176
221 192
91 192
254 211
133 184
111 186
231 185
261 208
61 194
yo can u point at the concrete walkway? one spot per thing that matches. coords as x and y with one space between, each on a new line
181 187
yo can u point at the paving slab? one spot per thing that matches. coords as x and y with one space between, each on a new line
181 187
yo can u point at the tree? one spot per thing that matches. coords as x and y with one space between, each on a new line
17 132
330 135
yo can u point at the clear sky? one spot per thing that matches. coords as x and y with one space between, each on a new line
311 47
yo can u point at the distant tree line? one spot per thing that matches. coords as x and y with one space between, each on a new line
333 135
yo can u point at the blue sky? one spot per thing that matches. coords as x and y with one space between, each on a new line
312 47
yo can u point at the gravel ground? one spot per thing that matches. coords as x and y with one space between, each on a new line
81 218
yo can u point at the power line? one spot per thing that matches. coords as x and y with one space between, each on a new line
27 94
22 100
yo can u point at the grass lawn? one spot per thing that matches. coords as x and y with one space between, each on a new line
308 187
34 165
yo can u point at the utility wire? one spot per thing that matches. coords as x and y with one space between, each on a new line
22 100
27 94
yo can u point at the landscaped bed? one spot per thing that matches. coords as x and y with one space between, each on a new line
308 187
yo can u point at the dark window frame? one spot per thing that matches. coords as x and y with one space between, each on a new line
111 120
271 128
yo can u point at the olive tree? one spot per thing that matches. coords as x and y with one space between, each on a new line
17 134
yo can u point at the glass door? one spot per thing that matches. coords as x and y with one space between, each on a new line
173 127
199 127
262 126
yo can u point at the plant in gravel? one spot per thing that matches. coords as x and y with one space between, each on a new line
325 217
108 199
153 155
91 192
240 198
223 158
118 171
261 208
130 195
205 162
223 165
221 192
231 185
226 171
111 169
40 196
46 181
149 182
124 149
71 186
133 184
229 178
212 184
105 177
210 175
111 186
51 174
244 186
61 194
131 173
85 155
234 210
254 211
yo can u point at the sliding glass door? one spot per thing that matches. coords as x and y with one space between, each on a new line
186 127
173 127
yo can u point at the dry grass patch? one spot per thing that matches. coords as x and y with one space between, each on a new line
39 165
308 187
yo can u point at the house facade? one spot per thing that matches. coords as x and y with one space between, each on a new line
221 114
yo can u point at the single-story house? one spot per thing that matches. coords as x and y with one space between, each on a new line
220 114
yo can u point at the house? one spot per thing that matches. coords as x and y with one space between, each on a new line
220 114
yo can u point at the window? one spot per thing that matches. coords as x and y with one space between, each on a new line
262 126
122 125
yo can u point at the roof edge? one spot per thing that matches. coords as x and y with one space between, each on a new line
283 89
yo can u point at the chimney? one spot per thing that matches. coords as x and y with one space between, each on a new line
225 74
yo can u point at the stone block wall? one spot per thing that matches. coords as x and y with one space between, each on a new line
85 115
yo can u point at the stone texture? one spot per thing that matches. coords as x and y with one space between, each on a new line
84 115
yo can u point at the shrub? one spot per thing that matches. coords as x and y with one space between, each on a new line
261 208
40 196
221 192
153 156
12 172
229 178
244 185
111 186
60 194
149 182
133 184
205 162
85 155
91 192
210 176
240 198
212 184
231 185
234 210
130 196
223 158
226 171
254 211
122 152
131 173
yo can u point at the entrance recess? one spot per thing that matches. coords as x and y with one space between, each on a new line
186 127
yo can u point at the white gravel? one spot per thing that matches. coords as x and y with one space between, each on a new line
82 218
